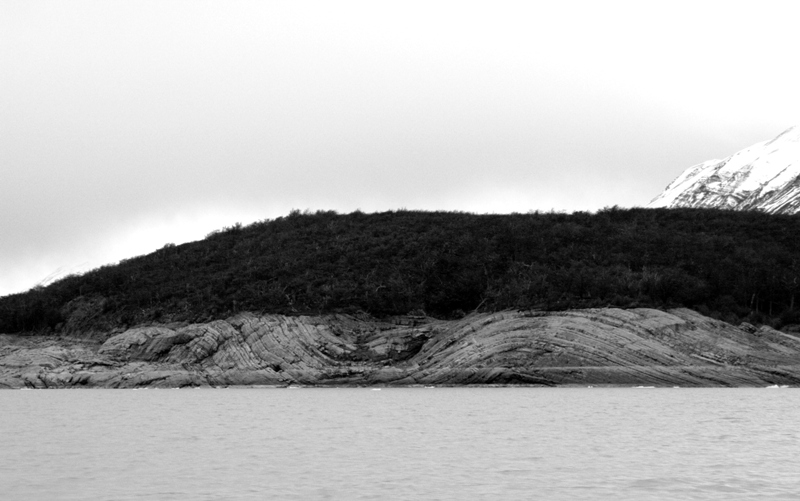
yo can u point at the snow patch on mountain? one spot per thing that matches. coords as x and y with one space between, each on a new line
62 272
765 176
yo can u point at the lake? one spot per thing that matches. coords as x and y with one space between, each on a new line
400 443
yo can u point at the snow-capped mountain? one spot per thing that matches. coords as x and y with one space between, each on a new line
765 176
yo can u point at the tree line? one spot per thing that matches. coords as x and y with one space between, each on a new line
731 265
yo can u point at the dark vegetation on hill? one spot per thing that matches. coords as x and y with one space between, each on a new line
731 265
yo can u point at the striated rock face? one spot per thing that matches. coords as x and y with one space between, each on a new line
765 176
586 347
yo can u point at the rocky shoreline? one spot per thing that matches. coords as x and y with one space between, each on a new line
597 347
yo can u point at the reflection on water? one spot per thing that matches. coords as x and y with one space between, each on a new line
415 443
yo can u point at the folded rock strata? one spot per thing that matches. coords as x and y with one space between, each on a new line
582 347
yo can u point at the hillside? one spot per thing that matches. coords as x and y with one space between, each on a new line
729 265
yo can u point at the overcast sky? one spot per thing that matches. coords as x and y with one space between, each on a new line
128 125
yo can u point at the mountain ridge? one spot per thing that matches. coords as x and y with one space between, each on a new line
764 176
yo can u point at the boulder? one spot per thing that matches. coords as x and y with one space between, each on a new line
143 343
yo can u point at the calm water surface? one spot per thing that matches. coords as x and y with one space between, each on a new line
415 443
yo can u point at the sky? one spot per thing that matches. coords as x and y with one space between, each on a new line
128 125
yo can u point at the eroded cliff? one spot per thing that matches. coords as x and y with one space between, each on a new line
580 347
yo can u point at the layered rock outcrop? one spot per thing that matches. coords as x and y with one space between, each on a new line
582 347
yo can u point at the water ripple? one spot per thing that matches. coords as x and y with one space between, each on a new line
441 443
